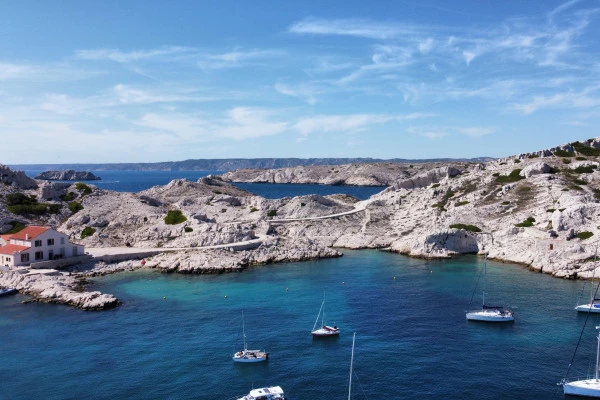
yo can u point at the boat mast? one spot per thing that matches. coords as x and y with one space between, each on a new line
484 279
244 330
597 354
352 360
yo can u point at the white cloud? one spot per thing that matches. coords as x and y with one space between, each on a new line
306 93
237 58
352 27
426 46
339 123
476 131
131 56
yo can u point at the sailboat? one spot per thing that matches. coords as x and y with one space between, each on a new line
325 330
266 393
249 356
489 313
594 305
585 387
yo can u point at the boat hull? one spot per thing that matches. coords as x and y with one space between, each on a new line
592 308
8 291
490 316
272 392
250 356
326 331
586 388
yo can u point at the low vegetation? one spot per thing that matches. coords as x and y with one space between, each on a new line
514 176
83 188
87 231
466 227
527 223
175 217
584 235
20 204
75 206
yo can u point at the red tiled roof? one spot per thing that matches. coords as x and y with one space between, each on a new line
32 231
5 237
10 249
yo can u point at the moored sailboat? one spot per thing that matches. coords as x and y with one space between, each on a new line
594 305
585 387
489 313
249 356
324 330
266 393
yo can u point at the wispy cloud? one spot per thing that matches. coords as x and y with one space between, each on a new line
237 58
304 92
353 27
120 56
339 123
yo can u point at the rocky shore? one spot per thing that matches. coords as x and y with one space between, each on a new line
67 175
539 209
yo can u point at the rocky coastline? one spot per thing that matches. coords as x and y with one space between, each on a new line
67 175
538 209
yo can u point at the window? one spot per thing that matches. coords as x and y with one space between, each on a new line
25 257
62 240
39 255
50 242
38 243
7 259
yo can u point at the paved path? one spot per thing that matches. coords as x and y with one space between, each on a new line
112 253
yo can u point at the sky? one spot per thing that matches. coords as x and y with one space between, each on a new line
149 81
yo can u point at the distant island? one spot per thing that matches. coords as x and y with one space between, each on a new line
231 164
68 175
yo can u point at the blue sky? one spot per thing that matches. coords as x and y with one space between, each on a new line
146 81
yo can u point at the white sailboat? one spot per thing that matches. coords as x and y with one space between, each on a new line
325 330
586 387
266 393
489 313
594 305
249 356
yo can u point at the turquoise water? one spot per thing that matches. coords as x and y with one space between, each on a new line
174 335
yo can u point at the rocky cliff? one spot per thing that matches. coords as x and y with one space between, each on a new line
67 175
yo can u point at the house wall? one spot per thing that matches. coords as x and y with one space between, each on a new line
61 248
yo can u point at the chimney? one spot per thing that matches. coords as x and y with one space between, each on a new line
27 236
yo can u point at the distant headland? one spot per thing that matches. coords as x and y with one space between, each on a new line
230 164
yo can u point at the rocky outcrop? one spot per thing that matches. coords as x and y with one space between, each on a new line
67 175
57 288
16 180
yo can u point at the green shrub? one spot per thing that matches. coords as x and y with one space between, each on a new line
551 210
175 217
16 227
584 235
272 213
554 170
566 161
585 150
512 177
223 210
460 203
440 206
579 158
533 156
32 209
563 153
584 170
69 196
435 185
75 206
54 208
527 223
505 203
15 199
87 231
188 229
253 209
83 188
564 190
302 204
470 228
516 161
145 219
579 181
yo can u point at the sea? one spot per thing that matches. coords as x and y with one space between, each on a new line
174 335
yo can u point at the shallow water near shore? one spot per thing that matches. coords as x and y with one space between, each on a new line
174 335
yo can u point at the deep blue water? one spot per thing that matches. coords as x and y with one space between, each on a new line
136 181
174 335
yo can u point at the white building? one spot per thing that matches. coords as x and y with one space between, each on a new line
35 244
